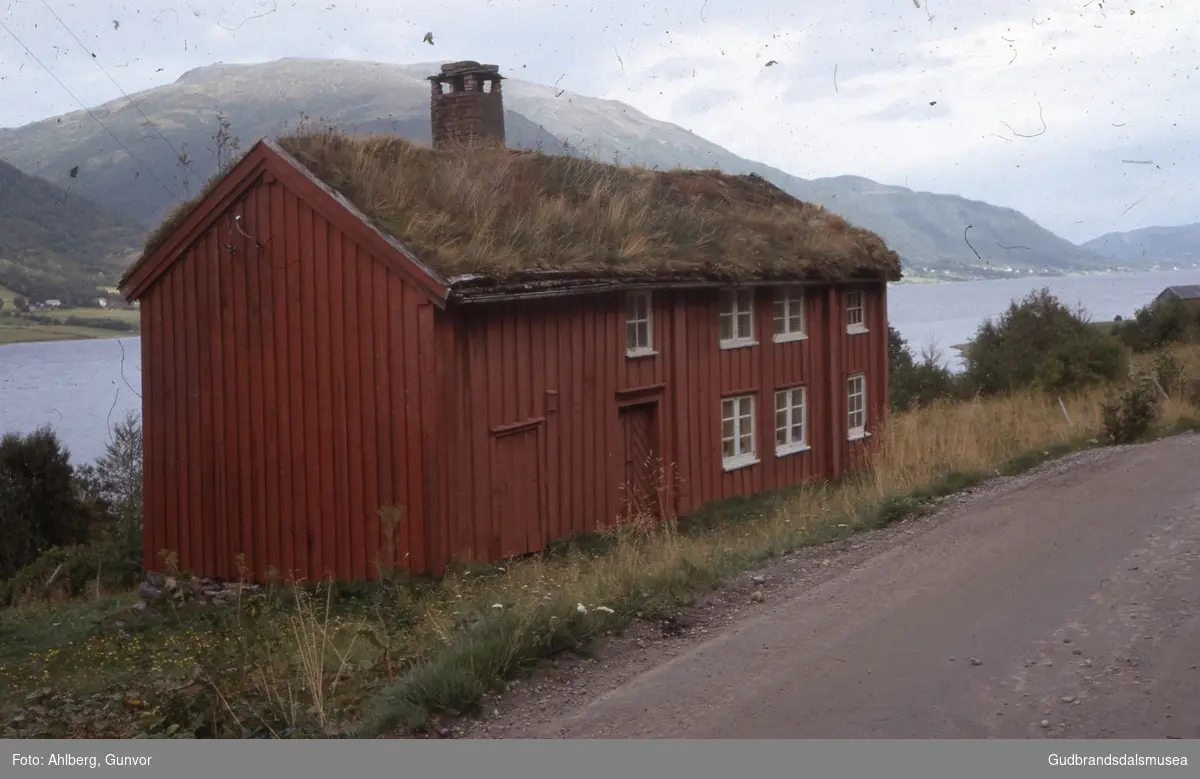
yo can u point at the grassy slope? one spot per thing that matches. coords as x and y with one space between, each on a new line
270 98
395 654
54 239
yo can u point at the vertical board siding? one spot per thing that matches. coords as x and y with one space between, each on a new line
283 394
559 366
866 353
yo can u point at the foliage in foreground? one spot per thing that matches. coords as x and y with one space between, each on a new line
69 527
1160 324
1040 342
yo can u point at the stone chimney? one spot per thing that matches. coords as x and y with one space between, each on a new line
466 105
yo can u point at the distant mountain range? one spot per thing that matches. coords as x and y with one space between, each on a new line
54 243
938 236
1165 247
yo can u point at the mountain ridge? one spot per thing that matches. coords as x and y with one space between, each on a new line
1157 245
926 229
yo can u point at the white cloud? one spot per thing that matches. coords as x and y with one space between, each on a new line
1111 84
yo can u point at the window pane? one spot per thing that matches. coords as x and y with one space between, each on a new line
744 444
796 323
744 322
727 428
780 400
781 436
726 327
631 335
726 302
643 333
797 432
781 419
727 448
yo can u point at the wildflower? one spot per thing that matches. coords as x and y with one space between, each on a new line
605 609
581 608
497 605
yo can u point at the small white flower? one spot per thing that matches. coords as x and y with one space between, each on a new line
605 609
497 605
581 608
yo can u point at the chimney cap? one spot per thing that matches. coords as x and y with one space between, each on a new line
466 67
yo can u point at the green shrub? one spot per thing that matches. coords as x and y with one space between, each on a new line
1088 359
94 515
1160 324
914 383
1039 342
39 505
109 561
1130 415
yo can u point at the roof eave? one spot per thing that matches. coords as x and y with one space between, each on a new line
472 288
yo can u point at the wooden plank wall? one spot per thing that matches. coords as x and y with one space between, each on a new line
556 366
865 353
559 368
283 395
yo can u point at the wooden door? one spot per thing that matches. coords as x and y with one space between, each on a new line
641 460
517 527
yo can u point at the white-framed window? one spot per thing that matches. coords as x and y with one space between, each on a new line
639 324
737 318
788 314
856 406
737 432
855 316
791 428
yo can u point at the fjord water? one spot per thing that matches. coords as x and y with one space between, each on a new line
82 387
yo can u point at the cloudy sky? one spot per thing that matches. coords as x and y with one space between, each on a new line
1078 113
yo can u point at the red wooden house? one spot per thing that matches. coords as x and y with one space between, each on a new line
358 351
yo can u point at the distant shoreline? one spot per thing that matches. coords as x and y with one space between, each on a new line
25 333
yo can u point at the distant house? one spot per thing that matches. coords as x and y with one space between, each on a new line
52 304
364 350
1188 293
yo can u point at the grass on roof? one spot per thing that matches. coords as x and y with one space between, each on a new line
500 213
159 235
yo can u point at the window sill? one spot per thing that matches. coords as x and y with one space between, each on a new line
633 354
726 345
784 338
858 435
789 449
856 330
741 461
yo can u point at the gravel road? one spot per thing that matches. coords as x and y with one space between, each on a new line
1063 603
